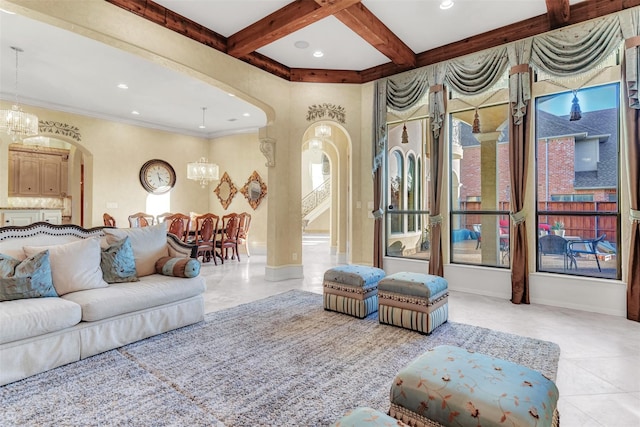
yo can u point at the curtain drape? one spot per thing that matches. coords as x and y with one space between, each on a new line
519 96
630 25
437 109
379 143
405 90
477 73
575 49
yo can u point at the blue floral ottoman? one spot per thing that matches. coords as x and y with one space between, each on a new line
367 417
451 386
413 301
352 289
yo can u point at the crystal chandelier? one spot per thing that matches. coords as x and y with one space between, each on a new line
323 131
16 122
202 171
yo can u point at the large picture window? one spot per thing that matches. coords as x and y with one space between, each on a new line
577 140
407 212
479 191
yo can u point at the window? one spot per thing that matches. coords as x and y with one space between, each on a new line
407 235
480 190
577 183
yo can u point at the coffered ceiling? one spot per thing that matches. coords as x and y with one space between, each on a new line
361 41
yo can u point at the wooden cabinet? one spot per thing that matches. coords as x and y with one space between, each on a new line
29 216
41 172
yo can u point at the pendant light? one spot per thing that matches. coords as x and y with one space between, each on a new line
16 122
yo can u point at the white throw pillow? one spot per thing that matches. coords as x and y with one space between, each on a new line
75 266
149 245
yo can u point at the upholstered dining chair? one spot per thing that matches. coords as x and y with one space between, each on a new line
178 224
229 237
162 217
243 231
141 219
205 237
109 221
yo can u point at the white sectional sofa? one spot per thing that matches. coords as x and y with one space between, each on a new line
41 333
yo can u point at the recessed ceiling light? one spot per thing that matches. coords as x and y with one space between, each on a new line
246 115
7 12
135 113
318 54
446 4
123 86
231 94
301 44
202 127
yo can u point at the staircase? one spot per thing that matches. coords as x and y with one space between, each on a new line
316 202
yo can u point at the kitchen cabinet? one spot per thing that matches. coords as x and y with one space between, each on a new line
41 172
29 216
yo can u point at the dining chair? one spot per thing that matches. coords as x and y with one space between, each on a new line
108 220
162 217
586 247
243 231
229 237
177 224
141 219
205 237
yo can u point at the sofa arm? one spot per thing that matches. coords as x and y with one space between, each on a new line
178 248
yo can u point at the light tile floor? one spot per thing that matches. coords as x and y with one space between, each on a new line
599 368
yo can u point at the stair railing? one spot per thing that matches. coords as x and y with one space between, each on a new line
316 197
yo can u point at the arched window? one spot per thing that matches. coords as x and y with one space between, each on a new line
396 190
411 192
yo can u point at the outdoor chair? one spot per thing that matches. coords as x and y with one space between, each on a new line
587 247
555 245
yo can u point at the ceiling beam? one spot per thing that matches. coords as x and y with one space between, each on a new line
283 22
373 31
559 13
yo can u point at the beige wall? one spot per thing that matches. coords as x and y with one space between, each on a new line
284 103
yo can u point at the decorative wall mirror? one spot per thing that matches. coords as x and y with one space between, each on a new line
254 190
225 191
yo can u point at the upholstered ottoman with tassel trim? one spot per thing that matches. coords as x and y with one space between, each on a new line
352 289
451 386
367 417
413 301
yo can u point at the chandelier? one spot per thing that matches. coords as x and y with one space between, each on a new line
202 171
16 122
323 131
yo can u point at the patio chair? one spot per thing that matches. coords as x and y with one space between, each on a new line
587 247
555 245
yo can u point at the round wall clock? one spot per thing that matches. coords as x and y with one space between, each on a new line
157 176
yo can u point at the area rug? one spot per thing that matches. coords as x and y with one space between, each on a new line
280 361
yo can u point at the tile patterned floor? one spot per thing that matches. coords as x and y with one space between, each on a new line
599 369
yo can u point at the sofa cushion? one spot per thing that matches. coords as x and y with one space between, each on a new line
149 244
75 266
26 318
121 298
117 262
29 278
178 267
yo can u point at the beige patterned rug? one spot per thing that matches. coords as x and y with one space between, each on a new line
280 361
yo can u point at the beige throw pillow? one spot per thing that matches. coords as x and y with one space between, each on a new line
75 266
149 245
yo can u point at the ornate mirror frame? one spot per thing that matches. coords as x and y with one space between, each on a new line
232 191
254 190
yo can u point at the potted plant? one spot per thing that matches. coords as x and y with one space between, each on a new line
558 228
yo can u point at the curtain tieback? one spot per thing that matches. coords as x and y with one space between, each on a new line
518 217
435 219
632 42
377 214
520 68
436 88
634 215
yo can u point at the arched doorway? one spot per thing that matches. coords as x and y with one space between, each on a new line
326 178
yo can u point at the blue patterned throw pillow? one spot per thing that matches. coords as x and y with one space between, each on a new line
117 262
30 278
